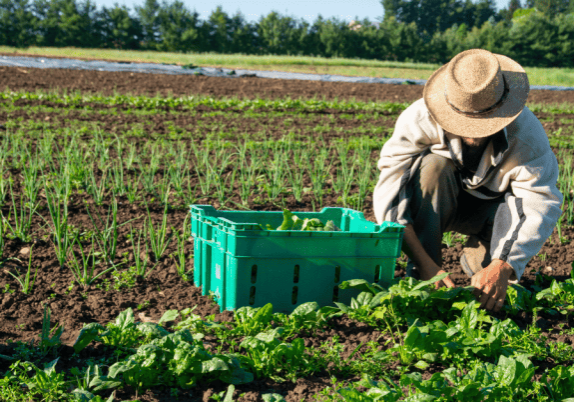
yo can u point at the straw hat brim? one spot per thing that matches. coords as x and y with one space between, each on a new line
483 125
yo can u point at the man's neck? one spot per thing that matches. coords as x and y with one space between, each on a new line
472 153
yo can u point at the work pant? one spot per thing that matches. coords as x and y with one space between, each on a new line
439 204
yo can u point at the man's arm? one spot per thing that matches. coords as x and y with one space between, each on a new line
529 214
413 248
399 158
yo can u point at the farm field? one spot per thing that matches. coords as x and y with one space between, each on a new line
294 64
97 174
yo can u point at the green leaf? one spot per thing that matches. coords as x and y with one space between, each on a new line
469 317
305 309
229 393
50 368
125 319
378 298
169 315
100 382
421 364
7 357
507 370
430 281
420 398
413 336
272 398
271 335
343 307
288 220
121 367
459 305
82 395
264 314
362 286
215 364
87 335
152 328
364 299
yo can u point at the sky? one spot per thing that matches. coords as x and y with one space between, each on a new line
303 9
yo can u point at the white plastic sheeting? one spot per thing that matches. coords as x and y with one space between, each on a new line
44 62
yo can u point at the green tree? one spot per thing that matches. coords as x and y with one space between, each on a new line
69 23
148 17
432 16
279 34
220 31
16 23
334 36
367 41
178 27
476 14
120 30
536 40
552 8
508 12
243 35
565 45
404 42
491 37
47 22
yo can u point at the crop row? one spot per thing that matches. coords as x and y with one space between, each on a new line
475 355
78 99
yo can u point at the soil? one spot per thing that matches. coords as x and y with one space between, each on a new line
30 79
163 289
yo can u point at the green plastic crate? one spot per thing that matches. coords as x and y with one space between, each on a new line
243 265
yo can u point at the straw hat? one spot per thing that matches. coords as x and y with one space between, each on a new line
477 93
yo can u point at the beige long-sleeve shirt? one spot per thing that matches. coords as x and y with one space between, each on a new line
520 164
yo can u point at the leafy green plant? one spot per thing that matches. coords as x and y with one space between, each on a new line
251 321
413 298
141 256
158 237
106 231
61 236
180 258
83 269
305 317
269 357
49 338
22 218
46 383
26 282
92 380
293 222
177 360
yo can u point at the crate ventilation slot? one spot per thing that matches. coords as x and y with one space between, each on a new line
254 274
294 295
336 293
377 273
252 296
296 275
337 274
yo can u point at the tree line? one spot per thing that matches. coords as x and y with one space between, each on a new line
539 34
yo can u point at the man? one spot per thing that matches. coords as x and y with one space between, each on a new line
470 157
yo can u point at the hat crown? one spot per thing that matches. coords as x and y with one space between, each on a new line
474 81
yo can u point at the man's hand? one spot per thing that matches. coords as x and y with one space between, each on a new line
491 284
430 272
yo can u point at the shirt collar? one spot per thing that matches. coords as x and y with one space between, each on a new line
499 146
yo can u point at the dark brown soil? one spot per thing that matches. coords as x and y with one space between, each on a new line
30 79
21 315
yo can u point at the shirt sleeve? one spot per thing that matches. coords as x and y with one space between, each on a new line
527 217
399 157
